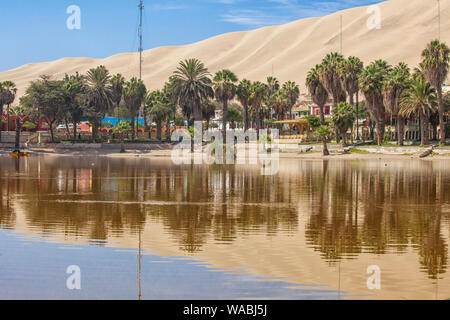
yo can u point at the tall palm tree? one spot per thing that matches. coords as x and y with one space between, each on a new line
134 92
10 92
396 82
258 95
117 83
419 100
279 103
343 117
319 94
243 93
158 107
292 92
435 64
273 85
330 77
349 71
98 95
73 91
225 90
192 85
371 82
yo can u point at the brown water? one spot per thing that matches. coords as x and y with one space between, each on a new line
141 228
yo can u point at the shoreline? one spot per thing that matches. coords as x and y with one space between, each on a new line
166 153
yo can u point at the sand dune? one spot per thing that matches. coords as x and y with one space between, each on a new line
289 50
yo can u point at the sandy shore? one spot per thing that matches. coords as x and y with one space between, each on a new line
130 153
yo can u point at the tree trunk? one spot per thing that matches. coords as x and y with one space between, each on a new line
380 131
224 121
158 130
50 124
168 130
424 130
122 143
344 138
441 115
322 115
18 128
400 130
1 121
74 130
325 147
133 128
246 119
7 116
357 115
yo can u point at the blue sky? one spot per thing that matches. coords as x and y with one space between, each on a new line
36 31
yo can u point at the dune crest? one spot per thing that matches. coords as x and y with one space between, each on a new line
288 51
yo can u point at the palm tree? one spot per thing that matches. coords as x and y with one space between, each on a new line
319 94
243 93
371 82
273 85
209 110
279 103
435 64
192 86
73 91
343 118
234 115
258 94
10 92
225 89
117 83
324 133
349 71
158 107
292 92
171 103
17 112
121 129
134 93
419 100
395 84
98 96
329 76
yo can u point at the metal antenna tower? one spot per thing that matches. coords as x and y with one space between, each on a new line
141 48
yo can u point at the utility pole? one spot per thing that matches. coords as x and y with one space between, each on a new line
341 34
141 49
439 18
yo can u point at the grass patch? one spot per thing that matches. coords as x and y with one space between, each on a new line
408 154
359 151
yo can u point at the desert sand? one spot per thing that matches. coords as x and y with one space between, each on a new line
289 50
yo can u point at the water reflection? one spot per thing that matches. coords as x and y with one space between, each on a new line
343 209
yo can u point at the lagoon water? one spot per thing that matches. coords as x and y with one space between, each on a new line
148 229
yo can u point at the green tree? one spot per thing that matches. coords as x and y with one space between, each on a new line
234 115
98 97
343 117
134 93
292 92
435 65
419 101
279 102
258 94
73 95
371 81
117 83
396 82
158 107
191 86
273 85
243 93
7 96
324 133
330 77
43 100
319 94
225 90
17 111
122 128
